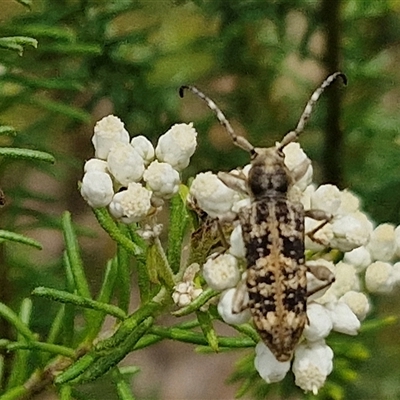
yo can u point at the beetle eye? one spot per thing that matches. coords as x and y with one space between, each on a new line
253 154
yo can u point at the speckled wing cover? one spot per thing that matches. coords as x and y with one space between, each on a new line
273 232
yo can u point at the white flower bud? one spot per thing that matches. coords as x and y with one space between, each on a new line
246 169
221 272
97 189
319 323
225 306
396 273
350 203
162 179
358 303
397 240
359 258
125 163
351 231
237 248
212 196
382 244
312 364
346 279
343 318
144 147
94 164
326 198
107 132
131 205
378 277
295 158
184 293
177 145
269 368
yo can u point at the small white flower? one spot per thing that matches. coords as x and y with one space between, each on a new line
397 240
94 164
295 158
326 198
221 272
132 204
184 293
148 232
382 244
351 231
360 258
237 248
144 147
239 204
107 132
177 145
269 368
125 163
225 306
306 196
346 279
97 189
378 277
312 364
343 318
358 303
349 203
162 179
396 273
212 196
319 323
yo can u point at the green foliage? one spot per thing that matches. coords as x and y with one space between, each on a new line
65 64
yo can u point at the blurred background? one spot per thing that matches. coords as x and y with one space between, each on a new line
259 60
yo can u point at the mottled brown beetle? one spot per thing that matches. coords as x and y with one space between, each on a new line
273 233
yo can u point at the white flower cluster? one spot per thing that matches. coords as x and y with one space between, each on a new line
186 291
368 265
130 176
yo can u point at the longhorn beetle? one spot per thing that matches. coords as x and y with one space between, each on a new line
273 234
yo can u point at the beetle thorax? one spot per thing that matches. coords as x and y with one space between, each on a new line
268 175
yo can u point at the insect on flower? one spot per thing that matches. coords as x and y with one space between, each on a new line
273 233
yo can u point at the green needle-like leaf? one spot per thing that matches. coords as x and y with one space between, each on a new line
108 224
197 302
74 257
66 297
26 3
197 338
40 346
26 154
123 388
208 329
109 360
177 226
66 392
15 237
16 322
7 130
20 361
17 43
